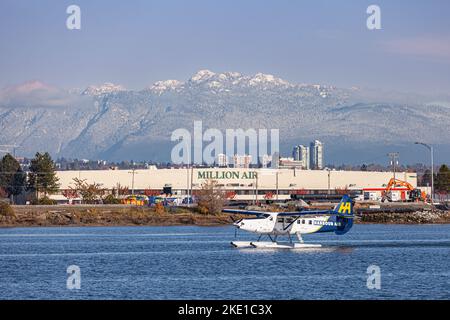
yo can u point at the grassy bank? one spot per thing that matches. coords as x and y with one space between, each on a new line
30 216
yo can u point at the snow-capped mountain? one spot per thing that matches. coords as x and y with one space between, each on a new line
160 87
110 122
105 88
222 82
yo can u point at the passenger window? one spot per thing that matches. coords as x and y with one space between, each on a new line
303 221
310 221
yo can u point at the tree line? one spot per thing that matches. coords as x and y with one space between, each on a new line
441 179
41 179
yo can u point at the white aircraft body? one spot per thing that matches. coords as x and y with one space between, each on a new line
275 224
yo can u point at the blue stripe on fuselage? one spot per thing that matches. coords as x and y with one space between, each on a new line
331 225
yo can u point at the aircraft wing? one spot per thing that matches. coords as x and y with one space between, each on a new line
304 213
280 214
246 212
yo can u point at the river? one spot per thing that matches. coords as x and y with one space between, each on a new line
199 263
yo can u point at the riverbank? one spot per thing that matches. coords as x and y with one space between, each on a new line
118 215
46 216
417 217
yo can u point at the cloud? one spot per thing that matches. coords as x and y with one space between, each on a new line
35 94
436 47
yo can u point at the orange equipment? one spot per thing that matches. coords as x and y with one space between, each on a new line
414 194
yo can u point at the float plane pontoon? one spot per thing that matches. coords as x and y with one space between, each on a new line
275 224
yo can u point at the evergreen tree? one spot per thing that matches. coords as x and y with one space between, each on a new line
12 178
442 179
42 176
426 178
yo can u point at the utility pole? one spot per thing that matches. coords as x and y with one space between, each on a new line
394 160
256 189
187 185
277 183
133 172
36 186
329 176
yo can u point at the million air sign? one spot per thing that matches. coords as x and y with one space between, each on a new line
226 175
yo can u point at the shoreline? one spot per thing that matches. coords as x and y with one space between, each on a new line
120 216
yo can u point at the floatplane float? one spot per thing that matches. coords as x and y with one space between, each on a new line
275 224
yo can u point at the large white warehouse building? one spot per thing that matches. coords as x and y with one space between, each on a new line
240 184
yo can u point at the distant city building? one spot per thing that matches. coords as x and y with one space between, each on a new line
242 161
316 155
222 160
290 163
301 154
296 153
275 160
265 161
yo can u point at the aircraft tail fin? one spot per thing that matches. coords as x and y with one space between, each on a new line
345 207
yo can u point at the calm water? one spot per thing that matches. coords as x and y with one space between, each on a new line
199 263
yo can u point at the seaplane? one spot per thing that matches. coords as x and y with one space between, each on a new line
288 224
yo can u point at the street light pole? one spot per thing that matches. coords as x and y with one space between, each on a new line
329 176
430 148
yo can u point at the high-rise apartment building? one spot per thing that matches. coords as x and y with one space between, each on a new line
316 155
301 154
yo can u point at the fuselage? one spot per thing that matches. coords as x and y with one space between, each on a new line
272 224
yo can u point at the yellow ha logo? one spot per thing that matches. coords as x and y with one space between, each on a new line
345 207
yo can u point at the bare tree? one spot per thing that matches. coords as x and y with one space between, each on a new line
90 193
211 198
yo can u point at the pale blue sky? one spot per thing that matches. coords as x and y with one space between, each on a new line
135 43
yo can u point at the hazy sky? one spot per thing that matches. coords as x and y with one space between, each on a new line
137 42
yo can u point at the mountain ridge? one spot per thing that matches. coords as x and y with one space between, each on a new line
111 122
